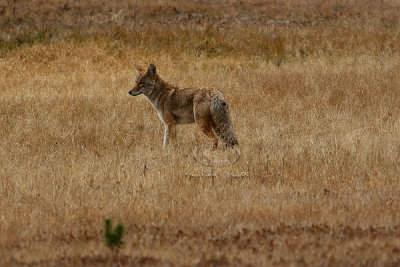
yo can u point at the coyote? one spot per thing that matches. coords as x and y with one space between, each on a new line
206 107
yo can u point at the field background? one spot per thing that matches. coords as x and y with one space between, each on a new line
313 88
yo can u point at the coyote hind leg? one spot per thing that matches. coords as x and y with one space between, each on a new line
203 119
206 128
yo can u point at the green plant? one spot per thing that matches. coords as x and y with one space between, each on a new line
113 237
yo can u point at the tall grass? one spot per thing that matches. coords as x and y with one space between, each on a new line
270 30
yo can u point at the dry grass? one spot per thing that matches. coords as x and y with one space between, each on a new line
316 113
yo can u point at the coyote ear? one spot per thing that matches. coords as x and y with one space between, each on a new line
151 70
139 69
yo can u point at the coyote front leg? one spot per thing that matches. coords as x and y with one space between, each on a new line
170 131
166 137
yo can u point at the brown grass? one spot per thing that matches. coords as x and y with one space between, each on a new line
313 90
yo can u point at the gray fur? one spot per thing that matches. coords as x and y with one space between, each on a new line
222 124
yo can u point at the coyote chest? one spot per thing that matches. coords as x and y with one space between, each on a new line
205 107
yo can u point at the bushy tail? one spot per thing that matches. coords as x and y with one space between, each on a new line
222 124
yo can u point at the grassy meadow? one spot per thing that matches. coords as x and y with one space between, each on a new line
314 95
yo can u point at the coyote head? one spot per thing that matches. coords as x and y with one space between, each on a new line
145 81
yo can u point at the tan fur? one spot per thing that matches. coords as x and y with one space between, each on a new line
204 106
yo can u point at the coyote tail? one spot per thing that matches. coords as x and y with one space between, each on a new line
222 124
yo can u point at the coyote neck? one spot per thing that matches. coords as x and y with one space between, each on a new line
160 87
163 85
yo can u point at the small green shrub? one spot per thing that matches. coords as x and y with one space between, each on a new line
113 237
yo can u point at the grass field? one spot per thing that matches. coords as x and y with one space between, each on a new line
314 94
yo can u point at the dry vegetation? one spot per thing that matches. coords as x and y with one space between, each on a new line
315 100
